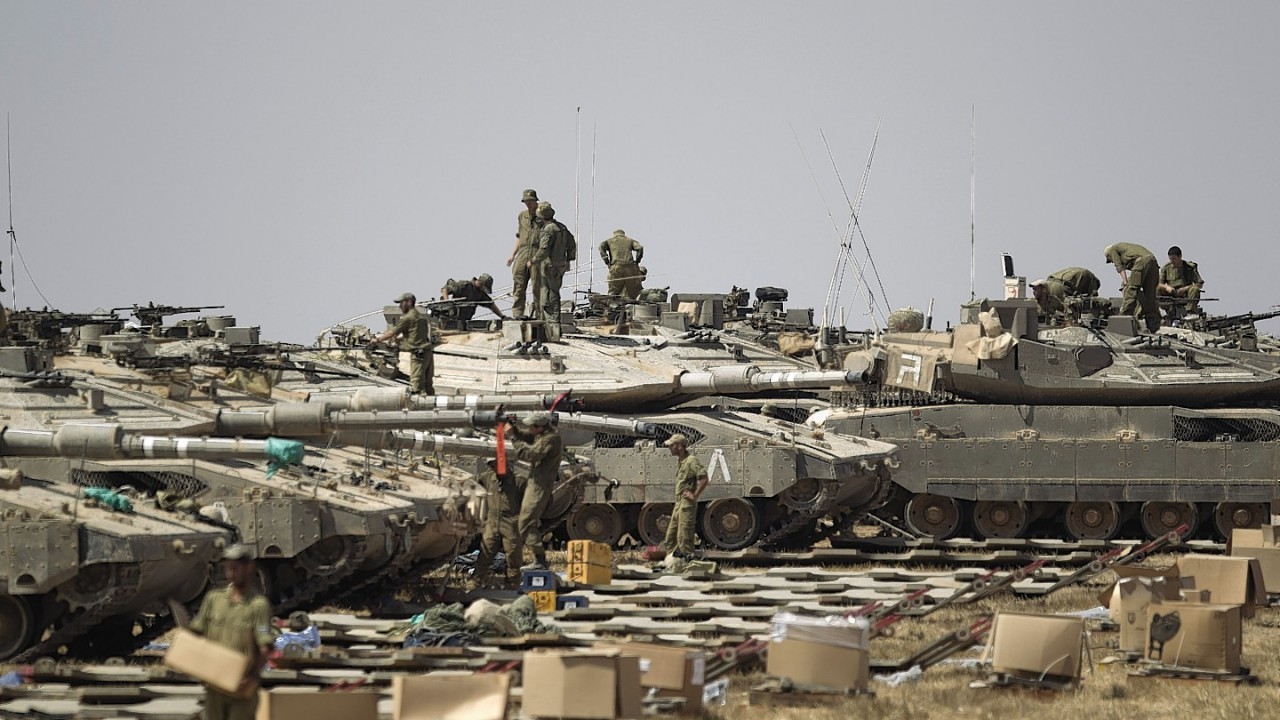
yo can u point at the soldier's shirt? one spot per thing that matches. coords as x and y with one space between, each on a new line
467 290
687 474
243 625
1077 281
527 226
542 452
1124 255
415 326
553 245
1188 274
619 249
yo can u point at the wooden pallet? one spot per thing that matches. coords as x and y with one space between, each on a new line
780 694
1193 675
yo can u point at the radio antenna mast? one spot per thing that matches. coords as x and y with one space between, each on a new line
973 197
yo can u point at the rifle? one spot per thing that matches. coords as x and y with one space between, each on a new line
1229 323
48 324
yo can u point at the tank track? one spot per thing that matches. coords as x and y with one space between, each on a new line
826 503
83 621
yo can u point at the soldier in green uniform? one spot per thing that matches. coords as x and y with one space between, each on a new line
624 268
472 294
1140 274
502 525
556 251
521 259
538 444
691 480
1052 291
238 617
1181 279
415 326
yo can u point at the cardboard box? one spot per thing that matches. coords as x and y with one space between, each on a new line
1037 646
441 696
672 671
831 629
1194 635
1229 580
590 574
602 684
291 703
1259 544
1128 601
816 663
207 661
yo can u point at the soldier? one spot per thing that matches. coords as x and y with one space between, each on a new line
238 617
691 480
501 527
415 326
521 259
1050 293
1181 279
1140 274
538 444
556 252
624 269
473 293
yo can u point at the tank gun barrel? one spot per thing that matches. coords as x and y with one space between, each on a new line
380 398
428 443
109 441
602 423
750 378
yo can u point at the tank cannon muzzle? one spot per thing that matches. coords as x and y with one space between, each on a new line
109 442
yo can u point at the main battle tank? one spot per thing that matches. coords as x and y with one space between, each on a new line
1013 430
343 519
777 485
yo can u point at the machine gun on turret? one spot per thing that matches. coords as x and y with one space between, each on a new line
46 326
1230 324
153 315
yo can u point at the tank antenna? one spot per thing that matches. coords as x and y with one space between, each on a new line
591 264
13 238
577 176
973 197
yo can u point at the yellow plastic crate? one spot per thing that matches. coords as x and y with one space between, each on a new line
543 600
590 574
586 552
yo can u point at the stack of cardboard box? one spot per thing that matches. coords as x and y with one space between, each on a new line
1036 648
669 671
595 684
828 653
590 563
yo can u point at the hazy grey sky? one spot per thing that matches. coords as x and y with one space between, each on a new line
303 162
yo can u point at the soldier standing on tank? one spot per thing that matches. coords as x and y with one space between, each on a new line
1140 274
415 326
473 293
237 617
538 444
556 252
624 268
1181 279
502 526
521 259
691 481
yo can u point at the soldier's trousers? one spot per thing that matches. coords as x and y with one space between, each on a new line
422 369
1140 292
680 531
537 495
501 529
520 275
550 280
224 707
624 279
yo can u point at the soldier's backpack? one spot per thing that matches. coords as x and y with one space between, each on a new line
570 243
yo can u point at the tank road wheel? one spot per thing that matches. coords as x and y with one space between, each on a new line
731 523
652 522
1229 516
937 516
17 625
598 522
1092 520
1160 518
1001 518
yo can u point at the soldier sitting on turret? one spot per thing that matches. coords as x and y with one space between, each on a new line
1181 279
470 294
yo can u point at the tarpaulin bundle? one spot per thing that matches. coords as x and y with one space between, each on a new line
110 498
281 452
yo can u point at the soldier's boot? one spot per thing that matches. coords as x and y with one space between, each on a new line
539 562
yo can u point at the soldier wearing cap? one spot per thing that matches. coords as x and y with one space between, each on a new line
1140 274
557 249
538 444
691 481
502 525
1181 279
1051 292
521 259
472 293
623 256
238 617
415 326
